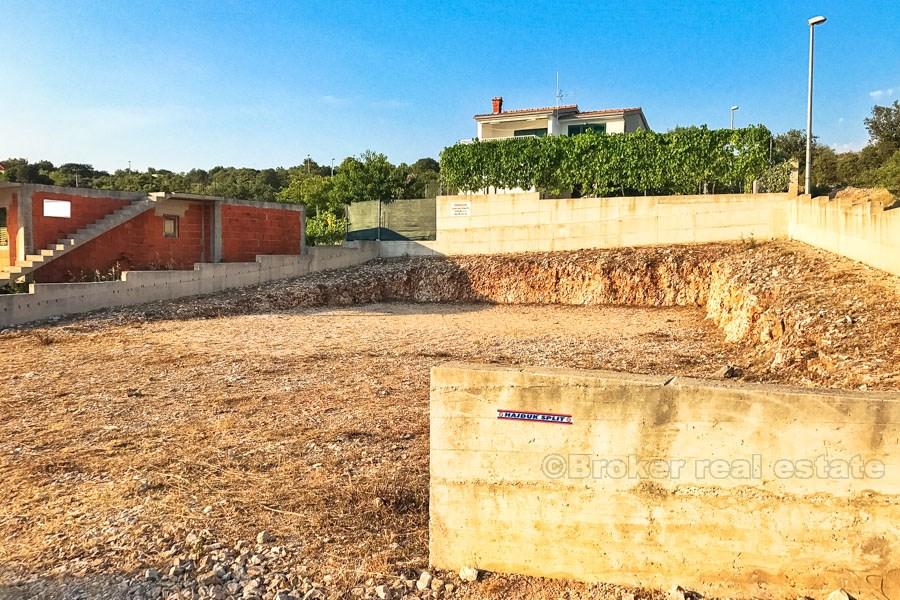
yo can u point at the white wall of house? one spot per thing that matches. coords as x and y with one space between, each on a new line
554 126
613 125
503 129
633 122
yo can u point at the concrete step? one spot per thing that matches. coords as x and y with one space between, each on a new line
79 237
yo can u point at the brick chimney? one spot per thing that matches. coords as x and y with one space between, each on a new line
497 104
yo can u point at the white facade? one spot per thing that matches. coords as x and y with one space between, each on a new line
563 120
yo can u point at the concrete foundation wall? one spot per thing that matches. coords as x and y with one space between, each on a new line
863 231
523 222
394 249
746 490
47 300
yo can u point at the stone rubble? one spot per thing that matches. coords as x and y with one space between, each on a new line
204 568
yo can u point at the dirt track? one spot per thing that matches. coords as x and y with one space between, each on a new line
121 433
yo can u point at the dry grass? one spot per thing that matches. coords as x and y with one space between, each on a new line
121 432
313 424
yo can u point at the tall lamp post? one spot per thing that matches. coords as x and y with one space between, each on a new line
733 108
809 95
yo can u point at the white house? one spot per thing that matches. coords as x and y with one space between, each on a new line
555 120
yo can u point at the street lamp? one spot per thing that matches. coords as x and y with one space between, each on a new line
733 108
807 181
332 167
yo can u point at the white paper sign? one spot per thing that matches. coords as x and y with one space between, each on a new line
460 209
57 208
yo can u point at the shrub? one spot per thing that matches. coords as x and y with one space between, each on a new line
888 174
325 229
681 161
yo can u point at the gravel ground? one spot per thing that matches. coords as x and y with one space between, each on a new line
121 444
255 444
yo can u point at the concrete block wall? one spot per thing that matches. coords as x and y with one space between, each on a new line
10 201
211 229
523 222
85 209
863 231
45 300
730 490
248 231
139 244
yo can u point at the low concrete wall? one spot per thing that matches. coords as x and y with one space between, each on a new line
47 300
408 248
746 490
523 222
863 231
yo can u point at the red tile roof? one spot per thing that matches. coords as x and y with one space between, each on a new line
606 111
521 111
571 110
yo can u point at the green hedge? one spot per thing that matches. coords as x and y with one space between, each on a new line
592 164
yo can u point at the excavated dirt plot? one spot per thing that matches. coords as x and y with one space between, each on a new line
138 437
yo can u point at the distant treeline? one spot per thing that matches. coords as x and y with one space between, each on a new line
369 176
877 164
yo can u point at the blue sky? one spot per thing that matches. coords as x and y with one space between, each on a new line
196 84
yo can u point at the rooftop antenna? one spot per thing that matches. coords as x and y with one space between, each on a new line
559 93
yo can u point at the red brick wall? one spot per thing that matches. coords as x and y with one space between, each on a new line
12 226
248 231
138 245
85 210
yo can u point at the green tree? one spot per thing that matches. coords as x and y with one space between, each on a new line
20 170
313 191
888 174
75 174
884 124
370 176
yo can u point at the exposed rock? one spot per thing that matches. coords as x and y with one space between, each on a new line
424 581
729 372
208 578
468 574
384 592
264 537
839 594
679 593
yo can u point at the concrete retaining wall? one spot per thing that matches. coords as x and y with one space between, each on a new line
47 300
863 231
746 490
523 222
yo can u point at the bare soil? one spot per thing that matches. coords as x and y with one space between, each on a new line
258 410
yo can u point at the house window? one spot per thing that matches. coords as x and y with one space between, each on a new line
530 132
57 208
4 233
596 127
170 226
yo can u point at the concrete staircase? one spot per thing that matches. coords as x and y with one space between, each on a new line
75 240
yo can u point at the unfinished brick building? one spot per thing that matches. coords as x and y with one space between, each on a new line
58 234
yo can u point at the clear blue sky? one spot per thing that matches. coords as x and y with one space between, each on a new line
195 84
